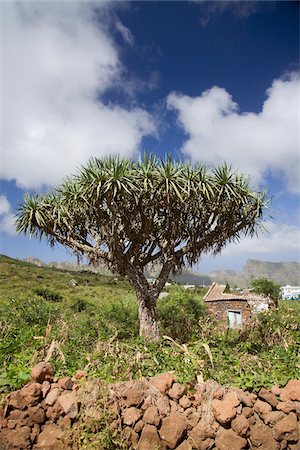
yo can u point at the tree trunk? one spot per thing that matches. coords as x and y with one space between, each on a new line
148 317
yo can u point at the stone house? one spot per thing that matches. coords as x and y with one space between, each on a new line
235 309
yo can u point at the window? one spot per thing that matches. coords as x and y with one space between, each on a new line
234 318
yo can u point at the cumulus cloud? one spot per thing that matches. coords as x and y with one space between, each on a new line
7 219
58 61
256 143
278 239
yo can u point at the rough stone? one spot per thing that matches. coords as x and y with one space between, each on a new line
36 415
268 397
291 391
176 391
139 426
150 439
41 372
273 417
262 408
240 425
199 434
173 429
46 386
131 415
151 416
224 410
81 374
229 440
54 412
286 407
31 393
163 382
65 383
163 406
49 438
15 400
185 402
15 439
276 390
247 411
261 436
185 445
286 428
68 402
53 396
133 396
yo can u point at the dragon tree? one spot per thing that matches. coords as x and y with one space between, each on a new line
129 214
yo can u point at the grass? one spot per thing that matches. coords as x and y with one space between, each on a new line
94 325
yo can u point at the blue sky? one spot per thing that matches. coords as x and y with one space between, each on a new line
206 81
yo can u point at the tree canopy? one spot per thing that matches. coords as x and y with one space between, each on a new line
128 214
266 287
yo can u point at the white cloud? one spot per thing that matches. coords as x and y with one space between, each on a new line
125 33
253 142
7 219
58 61
279 239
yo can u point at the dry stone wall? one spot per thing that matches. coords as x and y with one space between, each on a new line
153 414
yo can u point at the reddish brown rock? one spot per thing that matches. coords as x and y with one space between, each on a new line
151 416
287 428
175 407
54 412
273 417
177 391
185 445
68 402
131 436
49 438
150 439
185 402
193 419
17 414
139 426
268 397
131 415
286 407
53 396
133 396
65 383
224 410
199 434
81 374
240 425
261 436
15 439
36 415
173 429
46 386
262 408
41 372
247 411
15 400
32 393
229 440
163 406
276 390
291 391
163 382
35 431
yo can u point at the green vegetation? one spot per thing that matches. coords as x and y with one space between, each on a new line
266 287
95 325
129 214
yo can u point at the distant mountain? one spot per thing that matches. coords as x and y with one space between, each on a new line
282 273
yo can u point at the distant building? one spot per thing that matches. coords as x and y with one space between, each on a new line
290 292
235 309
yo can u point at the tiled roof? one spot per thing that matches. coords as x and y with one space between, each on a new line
216 293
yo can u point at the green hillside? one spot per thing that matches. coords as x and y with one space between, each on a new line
87 320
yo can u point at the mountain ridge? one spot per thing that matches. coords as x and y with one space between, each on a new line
280 272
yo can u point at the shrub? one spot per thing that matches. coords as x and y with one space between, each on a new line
179 315
80 305
48 295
